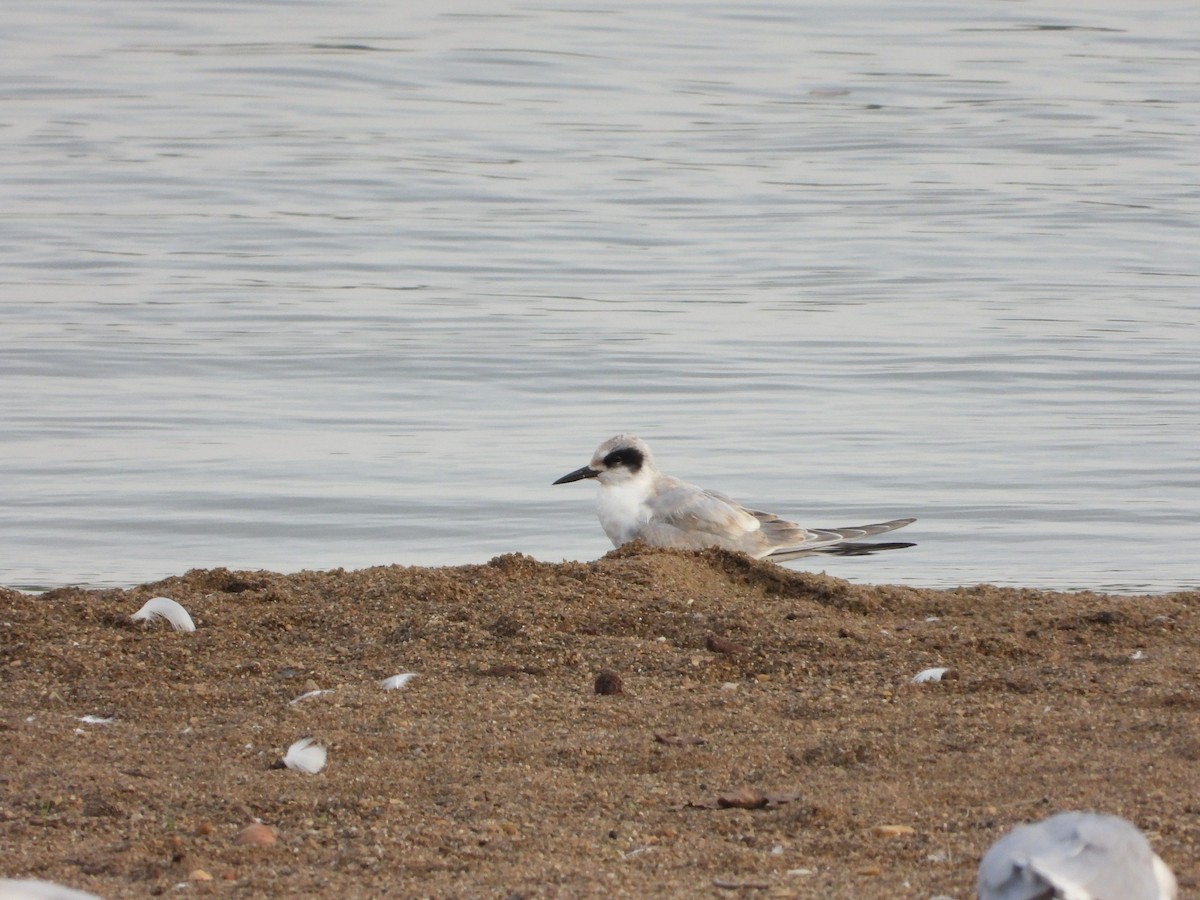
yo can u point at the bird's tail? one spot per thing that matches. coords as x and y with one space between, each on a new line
863 549
844 541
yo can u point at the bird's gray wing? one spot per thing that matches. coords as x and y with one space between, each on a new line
1080 856
688 516
684 515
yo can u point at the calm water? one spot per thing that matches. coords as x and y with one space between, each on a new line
289 285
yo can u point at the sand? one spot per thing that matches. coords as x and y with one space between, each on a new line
764 738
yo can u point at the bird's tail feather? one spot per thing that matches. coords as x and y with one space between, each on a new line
841 542
863 549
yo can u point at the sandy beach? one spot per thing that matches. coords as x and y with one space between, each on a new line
762 736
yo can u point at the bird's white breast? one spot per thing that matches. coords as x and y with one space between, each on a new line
623 511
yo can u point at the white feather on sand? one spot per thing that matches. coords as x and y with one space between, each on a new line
168 609
395 682
306 755
316 693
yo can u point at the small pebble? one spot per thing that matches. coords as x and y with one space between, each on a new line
200 875
257 834
890 831
675 740
724 645
609 682
743 798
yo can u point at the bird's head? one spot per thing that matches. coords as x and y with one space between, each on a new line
619 459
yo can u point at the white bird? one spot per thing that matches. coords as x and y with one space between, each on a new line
1074 856
639 503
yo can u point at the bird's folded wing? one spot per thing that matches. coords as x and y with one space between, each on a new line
694 510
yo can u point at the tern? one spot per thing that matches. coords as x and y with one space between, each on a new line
1075 856
639 503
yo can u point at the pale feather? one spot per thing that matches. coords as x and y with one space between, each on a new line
305 755
395 682
167 609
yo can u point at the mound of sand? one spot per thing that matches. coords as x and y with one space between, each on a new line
760 734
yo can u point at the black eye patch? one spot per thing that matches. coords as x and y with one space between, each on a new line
629 457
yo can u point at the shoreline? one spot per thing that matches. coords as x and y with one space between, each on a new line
499 770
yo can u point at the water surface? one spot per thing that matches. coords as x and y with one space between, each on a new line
297 286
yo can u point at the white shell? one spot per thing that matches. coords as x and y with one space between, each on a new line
306 755
93 720
165 608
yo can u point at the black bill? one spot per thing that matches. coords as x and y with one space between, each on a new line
578 475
